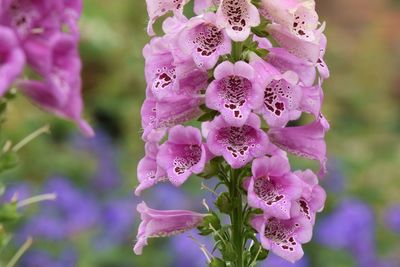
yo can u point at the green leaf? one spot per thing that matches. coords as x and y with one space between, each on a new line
211 219
258 251
229 252
9 213
224 203
8 161
261 29
209 116
216 262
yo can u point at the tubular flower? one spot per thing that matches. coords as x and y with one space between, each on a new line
237 17
273 187
313 196
162 223
244 70
233 92
12 59
238 145
183 154
304 141
148 172
204 41
46 37
284 237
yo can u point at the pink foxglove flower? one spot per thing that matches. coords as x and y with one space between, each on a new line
313 196
233 92
183 154
305 141
163 223
60 91
238 145
273 186
284 61
148 171
168 79
321 65
283 237
237 17
12 59
158 116
157 8
204 41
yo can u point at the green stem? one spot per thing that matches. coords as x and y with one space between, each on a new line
237 217
237 51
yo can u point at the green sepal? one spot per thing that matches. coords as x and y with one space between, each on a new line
211 219
8 161
224 203
217 262
9 213
209 116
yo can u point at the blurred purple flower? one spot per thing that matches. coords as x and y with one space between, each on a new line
392 218
118 216
189 253
335 181
107 175
275 261
20 191
36 258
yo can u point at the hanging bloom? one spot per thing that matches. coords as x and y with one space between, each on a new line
158 116
183 154
282 93
12 59
148 172
168 79
304 141
308 48
158 8
204 41
313 196
233 92
284 61
60 90
273 186
323 69
158 223
237 17
238 145
283 237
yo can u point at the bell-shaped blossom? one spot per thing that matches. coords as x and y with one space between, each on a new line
148 171
284 61
183 154
158 8
282 94
163 223
313 196
12 59
158 116
304 141
283 237
307 49
168 79
238 145
60 90
202 40
237 17
322 67
312 99
273 187
233 92
201 6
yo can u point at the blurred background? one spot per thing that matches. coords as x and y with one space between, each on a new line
93 222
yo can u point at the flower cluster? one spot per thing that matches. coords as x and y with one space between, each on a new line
44 36
220 68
